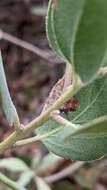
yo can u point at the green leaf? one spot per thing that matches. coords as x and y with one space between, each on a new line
13 164
41 184
50 31
8 106
86 142
86 138
77 30
93 102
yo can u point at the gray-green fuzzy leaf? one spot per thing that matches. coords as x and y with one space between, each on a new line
93 102
13 164
50 31
78 30
87 142
8 106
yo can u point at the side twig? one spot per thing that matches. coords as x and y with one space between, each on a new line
36 138
30 47
69 170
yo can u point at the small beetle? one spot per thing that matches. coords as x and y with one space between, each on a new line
70 105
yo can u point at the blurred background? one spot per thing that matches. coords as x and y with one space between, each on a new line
32 68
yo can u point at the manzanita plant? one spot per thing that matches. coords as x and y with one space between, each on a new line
77 32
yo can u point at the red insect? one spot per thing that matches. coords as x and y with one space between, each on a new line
70 105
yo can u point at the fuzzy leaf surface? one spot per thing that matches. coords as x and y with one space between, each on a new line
77 31
8 106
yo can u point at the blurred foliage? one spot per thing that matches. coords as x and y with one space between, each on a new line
29 89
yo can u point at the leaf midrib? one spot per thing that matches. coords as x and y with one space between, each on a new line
89 106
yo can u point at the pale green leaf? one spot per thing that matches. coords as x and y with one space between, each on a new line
8 106
87 142
13 164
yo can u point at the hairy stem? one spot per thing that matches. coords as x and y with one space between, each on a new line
61 120
23 132
36 138
24 44
69 170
